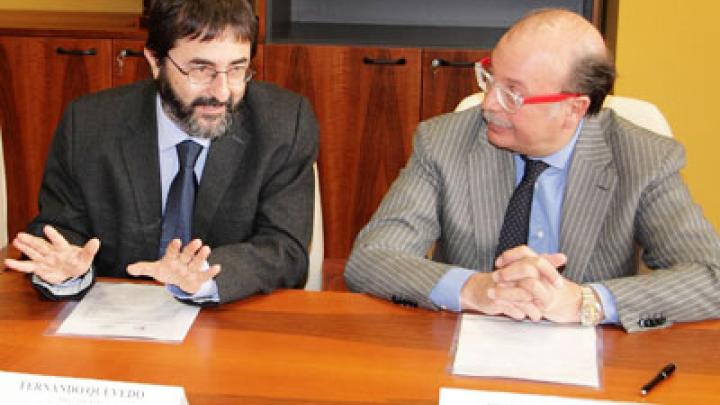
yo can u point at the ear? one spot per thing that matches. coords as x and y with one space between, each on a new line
577 107
153 61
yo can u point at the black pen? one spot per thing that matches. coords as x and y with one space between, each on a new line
665 373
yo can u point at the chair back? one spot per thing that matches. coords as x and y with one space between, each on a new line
639 112
316 252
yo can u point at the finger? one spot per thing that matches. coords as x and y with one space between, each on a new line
31 244
214 270
511 294
189 251
531 267
55 237
173 249
538 289
25 266
28 251
551 272
86 254
510 310
531 310
556 259
198 261
149 269
510 256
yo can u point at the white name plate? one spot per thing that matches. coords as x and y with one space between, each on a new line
31 389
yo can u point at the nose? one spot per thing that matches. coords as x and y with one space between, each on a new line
491 102
219 87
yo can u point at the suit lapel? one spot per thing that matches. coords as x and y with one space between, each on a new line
491 178
588 192
139 150
223 160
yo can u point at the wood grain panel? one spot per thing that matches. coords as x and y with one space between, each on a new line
258 62
367 114
37 85
129 63
446 81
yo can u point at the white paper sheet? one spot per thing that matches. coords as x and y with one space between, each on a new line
31 389
500 347
123 310
457 396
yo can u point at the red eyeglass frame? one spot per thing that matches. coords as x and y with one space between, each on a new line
544 98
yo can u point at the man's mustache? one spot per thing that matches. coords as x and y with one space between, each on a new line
491 118
209 102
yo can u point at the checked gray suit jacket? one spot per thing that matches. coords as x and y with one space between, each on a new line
623 191
254 205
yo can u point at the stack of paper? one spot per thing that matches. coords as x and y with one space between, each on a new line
501 347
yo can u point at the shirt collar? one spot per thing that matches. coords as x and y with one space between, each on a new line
169 134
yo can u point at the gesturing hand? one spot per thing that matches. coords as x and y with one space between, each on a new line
53 260
183 268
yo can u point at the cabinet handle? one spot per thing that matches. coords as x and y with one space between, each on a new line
438 62
395 62
129 53
126 53
76 52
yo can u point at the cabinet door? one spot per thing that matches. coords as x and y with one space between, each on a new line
448 77
38 77
258 62
129 63
367 102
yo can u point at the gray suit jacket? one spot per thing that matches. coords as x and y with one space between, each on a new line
623 191
255 200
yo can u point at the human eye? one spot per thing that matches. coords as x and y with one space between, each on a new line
515 92
201 68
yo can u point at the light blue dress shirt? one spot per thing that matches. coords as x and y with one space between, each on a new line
169 135
544 233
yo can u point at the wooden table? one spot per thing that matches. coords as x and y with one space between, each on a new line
297 347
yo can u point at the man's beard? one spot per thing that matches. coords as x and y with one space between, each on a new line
185 116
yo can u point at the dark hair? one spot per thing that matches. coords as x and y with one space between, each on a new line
171 20
595 76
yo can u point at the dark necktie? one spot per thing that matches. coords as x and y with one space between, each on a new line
516 224
177 221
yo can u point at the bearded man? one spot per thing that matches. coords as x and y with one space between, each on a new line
200 178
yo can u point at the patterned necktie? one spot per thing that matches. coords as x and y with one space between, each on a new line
516 224
177 221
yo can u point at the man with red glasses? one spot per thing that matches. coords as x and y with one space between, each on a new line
537 202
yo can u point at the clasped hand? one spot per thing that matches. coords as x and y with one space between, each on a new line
55 260
524 285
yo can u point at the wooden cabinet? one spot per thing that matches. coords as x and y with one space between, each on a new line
366 100
40 76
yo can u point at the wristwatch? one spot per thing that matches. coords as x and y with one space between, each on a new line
590 308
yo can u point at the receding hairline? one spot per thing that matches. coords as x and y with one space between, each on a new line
559 25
